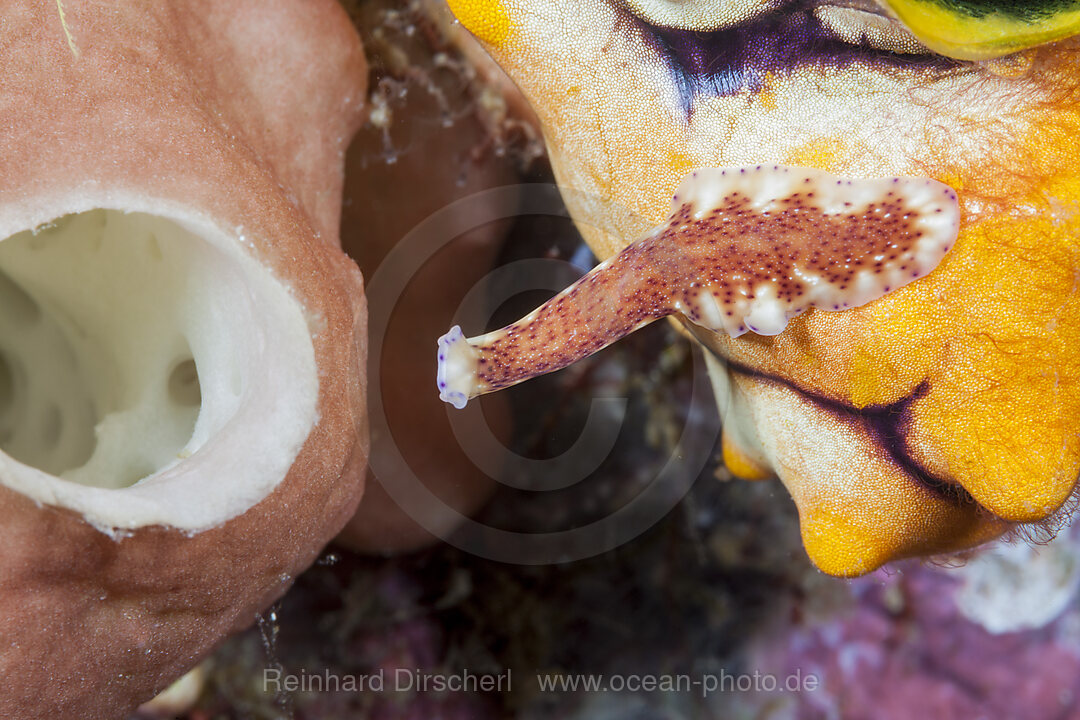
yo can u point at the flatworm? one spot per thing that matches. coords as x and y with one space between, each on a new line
745 250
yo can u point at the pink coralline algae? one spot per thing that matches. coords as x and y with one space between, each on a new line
745 249
903 650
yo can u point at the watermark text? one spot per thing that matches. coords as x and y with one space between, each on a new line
705 684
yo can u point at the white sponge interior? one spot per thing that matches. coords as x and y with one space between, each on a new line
149 374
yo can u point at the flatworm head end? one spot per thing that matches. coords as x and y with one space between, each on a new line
456 376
